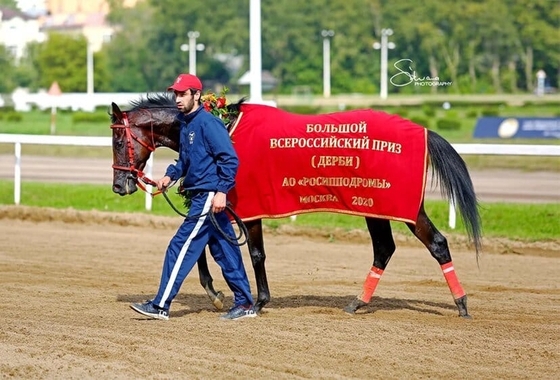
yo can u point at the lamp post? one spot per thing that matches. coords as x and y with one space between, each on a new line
255 55
327 35
541 76
89 65
255 51
192 48
384 45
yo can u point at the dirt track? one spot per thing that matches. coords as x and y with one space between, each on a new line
66 287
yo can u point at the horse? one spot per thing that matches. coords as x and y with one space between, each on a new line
150 122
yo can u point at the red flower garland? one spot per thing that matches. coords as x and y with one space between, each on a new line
217 105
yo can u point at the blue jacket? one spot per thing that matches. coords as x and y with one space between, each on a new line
207 159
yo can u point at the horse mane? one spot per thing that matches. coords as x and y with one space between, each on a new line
236 107
233 111
167 100
149 101
154 100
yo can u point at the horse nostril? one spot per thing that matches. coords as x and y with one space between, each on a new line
117 189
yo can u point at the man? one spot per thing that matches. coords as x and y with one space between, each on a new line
208 163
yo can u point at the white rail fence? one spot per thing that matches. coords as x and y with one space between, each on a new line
18 140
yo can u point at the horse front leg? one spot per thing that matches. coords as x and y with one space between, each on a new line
256 250
217 297
436 243
383 249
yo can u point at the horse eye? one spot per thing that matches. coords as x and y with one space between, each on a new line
119 144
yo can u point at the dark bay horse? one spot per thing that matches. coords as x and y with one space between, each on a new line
150 123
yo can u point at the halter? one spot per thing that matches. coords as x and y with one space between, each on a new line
141 179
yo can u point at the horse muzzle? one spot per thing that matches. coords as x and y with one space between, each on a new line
125 186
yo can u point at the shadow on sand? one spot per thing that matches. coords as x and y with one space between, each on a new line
196 303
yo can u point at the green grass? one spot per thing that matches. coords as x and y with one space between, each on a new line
526 222
39 123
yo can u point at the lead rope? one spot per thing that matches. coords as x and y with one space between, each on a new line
235 240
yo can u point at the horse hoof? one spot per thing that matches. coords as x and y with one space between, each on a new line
462 306
354 305
218 302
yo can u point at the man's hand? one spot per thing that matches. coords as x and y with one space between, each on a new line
163 183
219 202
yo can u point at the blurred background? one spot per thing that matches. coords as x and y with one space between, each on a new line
476 47
479 72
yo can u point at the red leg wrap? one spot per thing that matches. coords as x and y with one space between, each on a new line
370 284
452 280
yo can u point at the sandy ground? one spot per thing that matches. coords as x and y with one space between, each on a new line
67 278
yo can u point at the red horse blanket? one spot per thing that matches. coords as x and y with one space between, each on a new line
360 162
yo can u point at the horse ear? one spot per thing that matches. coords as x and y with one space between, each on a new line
117 113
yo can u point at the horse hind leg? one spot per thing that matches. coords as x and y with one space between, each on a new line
436 243
217 297
255 243
383 249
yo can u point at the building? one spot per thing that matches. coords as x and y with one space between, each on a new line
58 7
17 29
91 25
86 18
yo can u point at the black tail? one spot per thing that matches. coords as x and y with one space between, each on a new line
450 171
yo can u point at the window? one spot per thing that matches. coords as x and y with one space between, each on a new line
12 49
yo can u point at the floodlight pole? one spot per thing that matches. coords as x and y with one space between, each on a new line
89 64
193 35
327 35
255 59
383 46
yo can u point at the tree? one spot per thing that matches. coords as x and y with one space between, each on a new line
8 69
417 37
479 45
223 30
128 55
11 4
101 75
27 75
62 58
353 57
537 24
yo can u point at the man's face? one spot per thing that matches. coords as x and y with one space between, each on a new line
186 101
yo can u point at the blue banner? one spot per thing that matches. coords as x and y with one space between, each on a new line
517 127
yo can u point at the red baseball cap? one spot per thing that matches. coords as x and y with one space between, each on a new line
184 82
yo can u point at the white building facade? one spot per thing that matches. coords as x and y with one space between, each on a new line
17 30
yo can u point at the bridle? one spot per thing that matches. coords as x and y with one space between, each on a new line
141 180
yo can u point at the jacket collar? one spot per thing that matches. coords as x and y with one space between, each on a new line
188 118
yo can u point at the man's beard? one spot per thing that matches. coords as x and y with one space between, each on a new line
189 106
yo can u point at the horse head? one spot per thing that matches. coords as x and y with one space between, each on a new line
136 134
149 124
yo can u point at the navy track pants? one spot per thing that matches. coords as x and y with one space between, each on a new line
187 245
